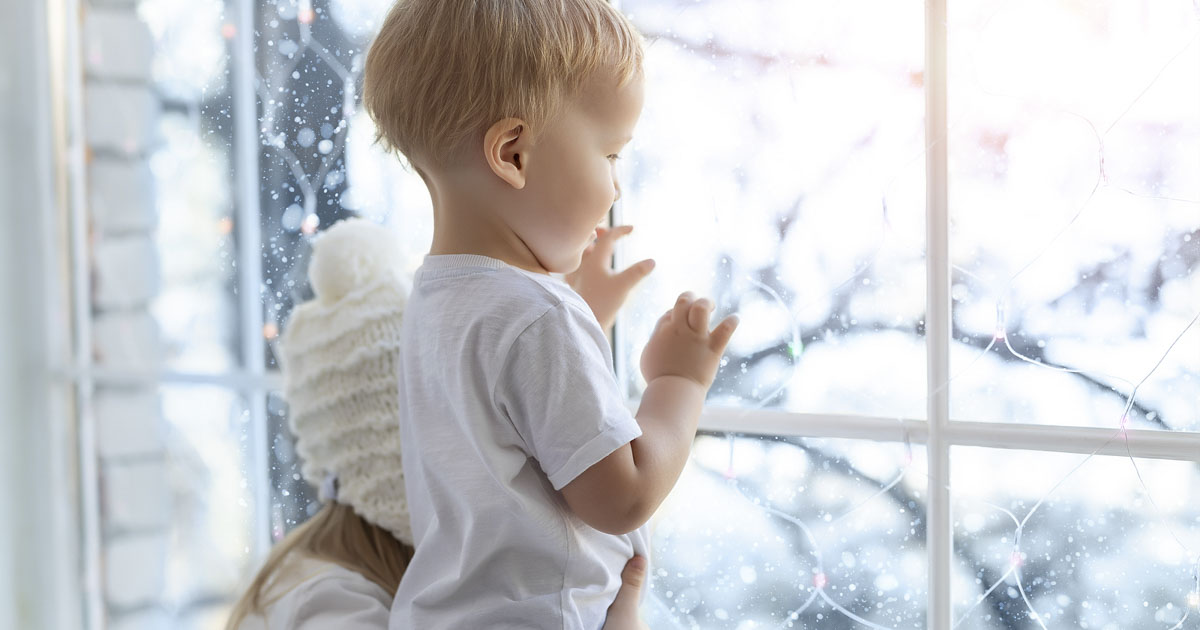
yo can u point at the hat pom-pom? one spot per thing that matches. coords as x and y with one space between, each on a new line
349 255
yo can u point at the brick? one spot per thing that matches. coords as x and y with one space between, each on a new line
147 619
122 196
126 272
121 118
127 340
129 422
117 45
134 569
136 495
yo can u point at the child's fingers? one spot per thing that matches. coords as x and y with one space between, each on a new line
662 321
698 314
607 236
635 572
682 305
623 612
619 231
636 272
613 233
720 335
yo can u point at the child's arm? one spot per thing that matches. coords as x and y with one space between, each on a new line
620 492
594 280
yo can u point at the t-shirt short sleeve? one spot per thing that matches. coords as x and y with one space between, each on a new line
558 390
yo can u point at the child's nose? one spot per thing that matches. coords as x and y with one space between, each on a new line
617 188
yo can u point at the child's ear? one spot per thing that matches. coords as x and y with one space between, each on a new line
504 147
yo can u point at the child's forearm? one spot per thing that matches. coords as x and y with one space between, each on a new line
620 493
668 415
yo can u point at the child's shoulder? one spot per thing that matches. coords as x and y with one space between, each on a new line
306 574
500 289
310 593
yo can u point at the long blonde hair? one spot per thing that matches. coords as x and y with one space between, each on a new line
334 534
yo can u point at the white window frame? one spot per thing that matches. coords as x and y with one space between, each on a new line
938 432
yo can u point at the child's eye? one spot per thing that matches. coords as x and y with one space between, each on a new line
614 156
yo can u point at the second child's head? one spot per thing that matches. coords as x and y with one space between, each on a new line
513 112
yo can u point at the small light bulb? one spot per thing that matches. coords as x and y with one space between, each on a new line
1001 322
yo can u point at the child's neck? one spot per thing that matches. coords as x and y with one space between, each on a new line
467 223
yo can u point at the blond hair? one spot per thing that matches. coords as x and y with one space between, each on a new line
334 534
440 72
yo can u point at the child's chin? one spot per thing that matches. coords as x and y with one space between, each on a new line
567 265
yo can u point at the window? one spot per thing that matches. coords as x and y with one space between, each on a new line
963 390
782 165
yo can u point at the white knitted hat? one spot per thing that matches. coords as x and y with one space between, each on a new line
338 355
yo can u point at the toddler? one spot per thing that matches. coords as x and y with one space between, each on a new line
529 481
340 569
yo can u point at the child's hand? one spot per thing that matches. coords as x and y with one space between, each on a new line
623 614
682 345
595 281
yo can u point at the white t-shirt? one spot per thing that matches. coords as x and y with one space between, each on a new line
311 594
506 395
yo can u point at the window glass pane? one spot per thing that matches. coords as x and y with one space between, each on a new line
1074 192
208 430
196 308
293 500
790 532
318 165
778 167
1085 542
317 162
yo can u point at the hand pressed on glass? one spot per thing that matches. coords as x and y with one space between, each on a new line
620 492
682 344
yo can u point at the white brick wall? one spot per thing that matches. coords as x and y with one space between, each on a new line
121 111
